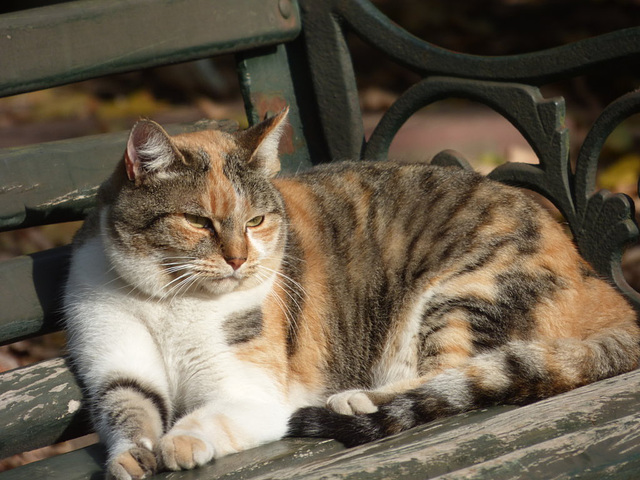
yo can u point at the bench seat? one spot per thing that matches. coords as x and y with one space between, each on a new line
592 432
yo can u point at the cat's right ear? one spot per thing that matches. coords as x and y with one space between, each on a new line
149 151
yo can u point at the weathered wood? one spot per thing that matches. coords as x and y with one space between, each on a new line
57 181
585 430
609 449
585 433
78 40
266 94
39 405
83 464
30 294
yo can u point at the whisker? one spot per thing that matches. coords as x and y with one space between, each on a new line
178 268
185 286
284 308
180 258
289 287
175 284
300 289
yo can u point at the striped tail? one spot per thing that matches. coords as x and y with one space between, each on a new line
519 373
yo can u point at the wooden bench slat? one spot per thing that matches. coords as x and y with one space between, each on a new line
267 87
594 412
78 40
83 464
611 449
39 404
587 432
30 293
57 181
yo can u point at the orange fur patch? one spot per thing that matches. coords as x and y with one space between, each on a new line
306 364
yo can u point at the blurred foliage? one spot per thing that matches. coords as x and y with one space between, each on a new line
507 27
622 173
504 27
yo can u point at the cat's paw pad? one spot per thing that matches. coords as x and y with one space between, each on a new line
351 402
184 452
133 464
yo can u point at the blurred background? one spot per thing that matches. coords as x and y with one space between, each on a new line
209 89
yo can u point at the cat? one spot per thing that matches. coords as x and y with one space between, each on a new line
213 306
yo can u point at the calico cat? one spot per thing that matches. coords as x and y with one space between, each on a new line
212 307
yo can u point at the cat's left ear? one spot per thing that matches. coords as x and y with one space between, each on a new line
263 140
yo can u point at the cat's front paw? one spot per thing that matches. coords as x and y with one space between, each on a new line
133 464
351 402
184 452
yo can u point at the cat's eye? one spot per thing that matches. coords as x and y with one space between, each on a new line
197 221
255 221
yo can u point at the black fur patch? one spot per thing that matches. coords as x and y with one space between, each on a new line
132 384
351 430
243 327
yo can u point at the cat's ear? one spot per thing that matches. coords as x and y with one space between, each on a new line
262 141
149 151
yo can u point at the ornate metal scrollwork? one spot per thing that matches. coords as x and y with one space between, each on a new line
602 223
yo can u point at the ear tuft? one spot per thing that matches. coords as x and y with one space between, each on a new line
149 150
263 140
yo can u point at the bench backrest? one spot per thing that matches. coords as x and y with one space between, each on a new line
288 53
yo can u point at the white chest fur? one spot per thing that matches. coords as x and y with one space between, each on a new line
193 342
180 346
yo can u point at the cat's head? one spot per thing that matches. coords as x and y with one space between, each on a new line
195 213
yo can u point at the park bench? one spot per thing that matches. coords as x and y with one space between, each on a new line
294 53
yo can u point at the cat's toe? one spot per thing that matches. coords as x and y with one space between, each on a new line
134 464
351 402
184 452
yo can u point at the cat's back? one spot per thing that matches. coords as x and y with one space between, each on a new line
402 210
389 187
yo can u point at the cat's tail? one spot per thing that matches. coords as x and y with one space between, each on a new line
518 373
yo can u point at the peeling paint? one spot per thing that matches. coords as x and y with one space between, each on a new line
73 406
11 398
27 415
74 195
59 388
20 188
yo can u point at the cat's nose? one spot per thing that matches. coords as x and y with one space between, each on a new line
235 262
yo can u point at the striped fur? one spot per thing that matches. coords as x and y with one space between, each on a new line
212 307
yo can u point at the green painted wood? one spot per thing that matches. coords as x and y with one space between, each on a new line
88 462
590 432
588 429
82 464
57 181
39 405
611 449
73 41
268 87
30 294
